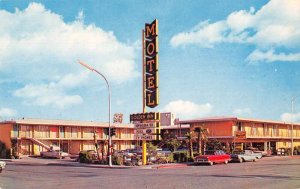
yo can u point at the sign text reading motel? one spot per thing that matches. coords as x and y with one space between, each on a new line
151 64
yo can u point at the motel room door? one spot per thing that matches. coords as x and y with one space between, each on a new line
65 147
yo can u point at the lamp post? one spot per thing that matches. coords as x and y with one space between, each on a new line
109 110
292 124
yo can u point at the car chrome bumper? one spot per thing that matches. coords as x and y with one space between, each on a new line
202 161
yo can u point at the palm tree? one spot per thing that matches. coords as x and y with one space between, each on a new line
189 136
201 137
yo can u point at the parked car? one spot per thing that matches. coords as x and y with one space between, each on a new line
163 151
241 156
54 152
132 152
211 157
257 155
2 165
256 150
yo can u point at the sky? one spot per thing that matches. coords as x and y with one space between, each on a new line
216 58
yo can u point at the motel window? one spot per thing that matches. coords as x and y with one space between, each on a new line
74 133
265 128
25 130
240 126
253 129
45 131
275 130
15 131
88 133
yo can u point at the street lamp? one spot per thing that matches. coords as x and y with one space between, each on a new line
109 94
292 116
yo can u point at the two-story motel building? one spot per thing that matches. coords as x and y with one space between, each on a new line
31 136
267 135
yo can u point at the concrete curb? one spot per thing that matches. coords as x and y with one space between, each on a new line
170 166
162 166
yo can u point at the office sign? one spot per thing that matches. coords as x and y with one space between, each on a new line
151 64
144 137
144 116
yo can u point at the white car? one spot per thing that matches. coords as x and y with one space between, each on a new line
54 154
258 155
2 165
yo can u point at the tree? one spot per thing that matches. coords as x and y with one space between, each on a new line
214 144
169 140
189 136
201 137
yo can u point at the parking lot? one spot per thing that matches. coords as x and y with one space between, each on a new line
270 172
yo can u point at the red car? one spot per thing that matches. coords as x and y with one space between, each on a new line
211 157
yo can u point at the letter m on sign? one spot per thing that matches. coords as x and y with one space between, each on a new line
151 30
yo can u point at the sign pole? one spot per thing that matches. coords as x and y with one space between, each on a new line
144 143
143 69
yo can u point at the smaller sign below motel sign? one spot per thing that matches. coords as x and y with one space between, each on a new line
144 116
145 137
144 125
149 131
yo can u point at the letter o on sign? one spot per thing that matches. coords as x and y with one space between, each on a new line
150 49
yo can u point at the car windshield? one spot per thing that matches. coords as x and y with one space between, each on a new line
209 152
237 152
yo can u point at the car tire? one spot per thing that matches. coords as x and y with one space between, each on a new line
254 160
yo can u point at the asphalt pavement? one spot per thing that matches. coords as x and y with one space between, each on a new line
269 172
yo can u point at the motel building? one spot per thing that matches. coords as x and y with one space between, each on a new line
241 133
31 136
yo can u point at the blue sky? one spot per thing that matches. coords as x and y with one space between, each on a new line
216 58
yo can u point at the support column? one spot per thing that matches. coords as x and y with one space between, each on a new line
144 155
265 146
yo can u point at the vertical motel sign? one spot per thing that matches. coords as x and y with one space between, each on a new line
151 64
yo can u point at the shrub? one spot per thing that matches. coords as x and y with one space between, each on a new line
180 156
4 153
84 157
170 158
117 159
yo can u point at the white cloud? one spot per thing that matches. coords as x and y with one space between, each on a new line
7 113
288 117
242 111
38 38
40 50
204 34
47 95
276 25
187 109
270 56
